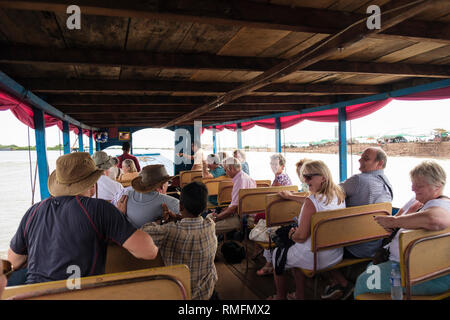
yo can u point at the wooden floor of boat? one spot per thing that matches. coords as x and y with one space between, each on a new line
236 284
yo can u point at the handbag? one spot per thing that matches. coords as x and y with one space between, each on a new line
382 254
283 243
260 232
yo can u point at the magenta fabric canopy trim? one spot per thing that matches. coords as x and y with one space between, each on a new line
353 112
25 114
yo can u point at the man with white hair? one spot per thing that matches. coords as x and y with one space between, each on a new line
107 188
228 219
212 167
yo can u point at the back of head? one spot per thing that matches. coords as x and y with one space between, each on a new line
126 146
431 171
212 159
299 166
129 164
278 157
194 198
380 155
240 155
232 162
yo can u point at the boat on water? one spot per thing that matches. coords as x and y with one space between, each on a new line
190 66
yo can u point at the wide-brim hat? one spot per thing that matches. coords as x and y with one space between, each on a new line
150 178
75 173
102 160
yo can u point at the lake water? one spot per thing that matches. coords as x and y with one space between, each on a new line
15 186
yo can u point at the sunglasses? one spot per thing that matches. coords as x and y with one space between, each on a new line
309 176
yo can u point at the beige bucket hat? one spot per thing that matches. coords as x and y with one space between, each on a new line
102 160
75 173
150 178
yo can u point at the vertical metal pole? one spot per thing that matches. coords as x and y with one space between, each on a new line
80 140
342 118
41 150
214 140
277 135
66 137
239 135
91 143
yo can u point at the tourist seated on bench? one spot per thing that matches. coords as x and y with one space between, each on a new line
189 239
325 195
428 181
71 228
228 219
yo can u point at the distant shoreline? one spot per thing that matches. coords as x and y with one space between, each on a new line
437 150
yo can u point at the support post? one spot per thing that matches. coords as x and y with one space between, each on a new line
80 140
214 140
41 150
342 118
239 135
91 143
277 135
66 137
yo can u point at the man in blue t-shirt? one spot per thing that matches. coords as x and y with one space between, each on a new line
70 230
212 167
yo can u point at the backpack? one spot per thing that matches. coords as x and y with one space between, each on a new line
233 252
283 243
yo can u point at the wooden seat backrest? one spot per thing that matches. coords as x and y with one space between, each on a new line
424 255
119 259
343 227
163 283
253 200
224 193
212 184
188 176
280 211
263 183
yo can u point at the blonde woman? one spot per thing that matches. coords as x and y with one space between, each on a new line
325 195
129 172
429 210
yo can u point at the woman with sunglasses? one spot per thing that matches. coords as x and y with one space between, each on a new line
325 195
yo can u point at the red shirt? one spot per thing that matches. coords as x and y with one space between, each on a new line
128 156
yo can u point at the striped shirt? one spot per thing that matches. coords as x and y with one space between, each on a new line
366 188
190 241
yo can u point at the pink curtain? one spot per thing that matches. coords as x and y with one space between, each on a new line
25 114
353 112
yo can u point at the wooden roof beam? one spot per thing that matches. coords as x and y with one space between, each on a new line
238 13
320 51
110 58
46 85
159 100
124 109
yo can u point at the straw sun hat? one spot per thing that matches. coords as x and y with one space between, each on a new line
75 173
150 178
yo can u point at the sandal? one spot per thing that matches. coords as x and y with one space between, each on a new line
264 271
291 296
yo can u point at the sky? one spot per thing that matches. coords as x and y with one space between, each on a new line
416 117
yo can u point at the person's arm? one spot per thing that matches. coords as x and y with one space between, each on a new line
433 219
303 231
288 195
205 172
141 245
17 260
225 213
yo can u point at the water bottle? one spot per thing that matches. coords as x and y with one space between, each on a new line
396 282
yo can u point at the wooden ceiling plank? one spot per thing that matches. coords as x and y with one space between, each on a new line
320 52
237 13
